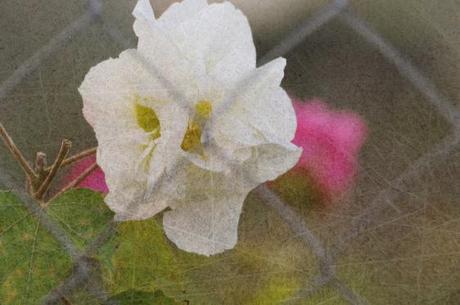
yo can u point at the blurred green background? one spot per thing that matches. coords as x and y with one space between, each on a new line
412 254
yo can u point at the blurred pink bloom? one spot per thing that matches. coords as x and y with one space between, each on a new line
331 141
94 181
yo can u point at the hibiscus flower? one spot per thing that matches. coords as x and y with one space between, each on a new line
187 122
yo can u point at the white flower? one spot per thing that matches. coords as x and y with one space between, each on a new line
187 121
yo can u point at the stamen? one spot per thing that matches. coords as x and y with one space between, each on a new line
192 138
204 109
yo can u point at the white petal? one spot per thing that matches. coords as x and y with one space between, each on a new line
215 39
268 161
105 89
128 186
109 91
128 203
118 159
160 56
144 10
213 159
218 41
206 220
110 85
181 11
261 112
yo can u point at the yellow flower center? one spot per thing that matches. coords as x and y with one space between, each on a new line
203 109
192 138
148 120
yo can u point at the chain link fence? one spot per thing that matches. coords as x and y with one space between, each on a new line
85 272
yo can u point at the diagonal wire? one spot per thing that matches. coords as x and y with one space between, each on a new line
369 216
433 96
33 62
320 18
326 266
83 265
83 270
308 27
443 105
295 222
293 39
347 293
52 227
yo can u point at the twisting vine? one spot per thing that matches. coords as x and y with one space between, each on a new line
40 177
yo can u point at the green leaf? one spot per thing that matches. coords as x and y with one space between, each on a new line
82 213
137 297
142 259
31 262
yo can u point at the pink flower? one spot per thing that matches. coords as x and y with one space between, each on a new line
94 181
331 141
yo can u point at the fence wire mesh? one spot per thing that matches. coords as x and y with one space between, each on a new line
85 272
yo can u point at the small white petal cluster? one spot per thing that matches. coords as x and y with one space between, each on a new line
187 122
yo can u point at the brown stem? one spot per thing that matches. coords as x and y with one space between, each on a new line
17 153
63 151
74 182
78 156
